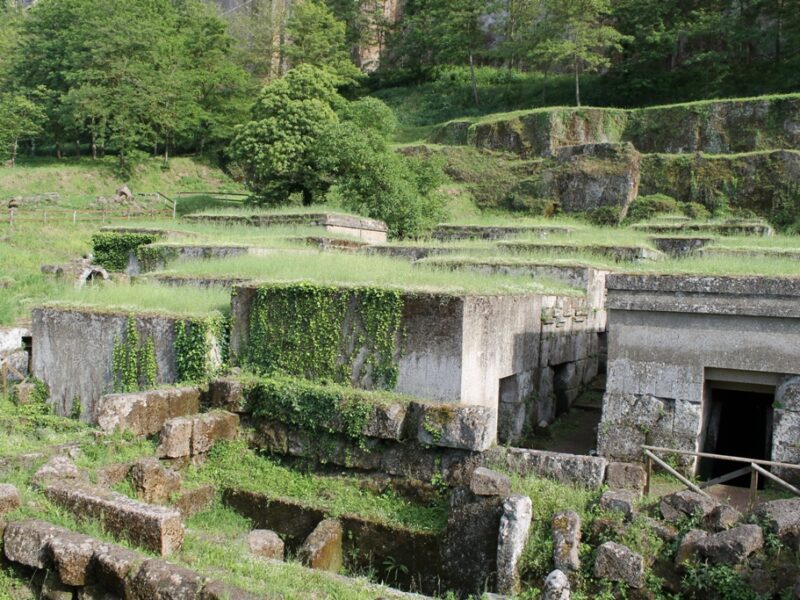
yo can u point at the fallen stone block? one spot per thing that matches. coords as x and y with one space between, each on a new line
622 501
515 522
153 483
96 592
626 476
464 427
567 541
72 555
144 413
111 475
782 517
686 503
26 542
665 531
265 543
155 528
228 394
616 562
387 421
485 482
573 469
175 440
722 517
57 468
211 427
159 580
112 565
687 549
9 498
191 502
732 546
322 549
16 364
556 586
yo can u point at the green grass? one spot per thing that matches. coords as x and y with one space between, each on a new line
722 265
80 181
145 297
343 269
248 211
234 465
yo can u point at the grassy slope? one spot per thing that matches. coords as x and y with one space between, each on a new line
80 181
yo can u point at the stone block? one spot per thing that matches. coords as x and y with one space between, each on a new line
622 501
469 545
567 541
72 554
485 482
111 475
556 586
96 592
786 443
616 562
322 549
387 421
573 469
156 528
144 413
787 396
159 580
265 543
26 542
9 498
153 483
515 522
465 427
58 468
664 531
733 545
687 548
228 394
626 476
17 365
686 503
211 427
722 517
113 566
176 438
783 519
190 502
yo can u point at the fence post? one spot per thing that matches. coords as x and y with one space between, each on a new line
648 467
11 218
74 217
753 487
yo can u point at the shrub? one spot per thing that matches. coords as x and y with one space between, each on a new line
647 207
695 210
604 216
111 250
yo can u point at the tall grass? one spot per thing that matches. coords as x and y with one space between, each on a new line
146 297
343 269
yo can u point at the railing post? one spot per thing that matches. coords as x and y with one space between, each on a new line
753 487
648 469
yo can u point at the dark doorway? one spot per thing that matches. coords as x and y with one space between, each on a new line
738 423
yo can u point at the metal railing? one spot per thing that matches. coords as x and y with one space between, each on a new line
752 465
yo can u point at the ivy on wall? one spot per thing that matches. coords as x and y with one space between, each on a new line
317 408
195 342
326 333
152 258
111 250
134 366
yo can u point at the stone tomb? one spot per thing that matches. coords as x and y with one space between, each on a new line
703 363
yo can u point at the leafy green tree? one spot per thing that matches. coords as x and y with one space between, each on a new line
277 148
316 37
579 34
20 118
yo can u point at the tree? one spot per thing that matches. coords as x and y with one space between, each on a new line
277 148
579 34
20 118
316 37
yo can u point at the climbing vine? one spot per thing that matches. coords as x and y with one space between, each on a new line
326 333
134 364
152 258
196 341
111 250
317 408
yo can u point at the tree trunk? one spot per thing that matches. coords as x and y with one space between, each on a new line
33 146
94 140
77 148
577 84
544 87
58 150
472 78
166 151
14 148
